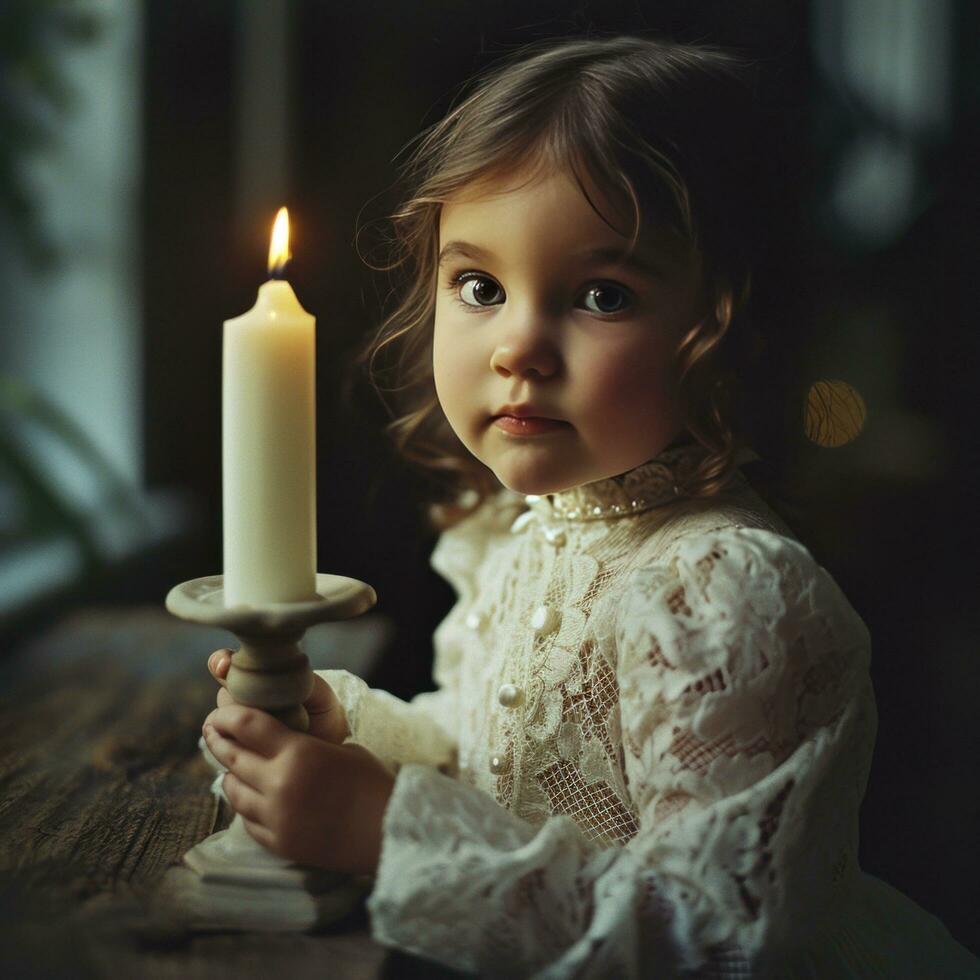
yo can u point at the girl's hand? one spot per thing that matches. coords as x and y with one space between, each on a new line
305 799
328 720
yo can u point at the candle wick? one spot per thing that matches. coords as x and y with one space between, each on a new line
278 271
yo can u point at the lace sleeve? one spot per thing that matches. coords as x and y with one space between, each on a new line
396 731
424 730
747 725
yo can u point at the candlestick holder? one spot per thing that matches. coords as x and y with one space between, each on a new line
229 880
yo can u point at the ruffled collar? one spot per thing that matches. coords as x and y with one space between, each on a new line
651 484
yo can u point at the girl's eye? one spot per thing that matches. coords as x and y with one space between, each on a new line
606 298
477 290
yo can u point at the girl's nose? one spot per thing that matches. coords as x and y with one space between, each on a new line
525 353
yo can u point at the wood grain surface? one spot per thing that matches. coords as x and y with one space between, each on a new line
102 788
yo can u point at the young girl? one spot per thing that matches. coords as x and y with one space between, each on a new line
654 719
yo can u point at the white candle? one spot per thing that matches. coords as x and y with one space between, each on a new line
268 443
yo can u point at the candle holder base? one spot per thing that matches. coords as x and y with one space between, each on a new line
229 881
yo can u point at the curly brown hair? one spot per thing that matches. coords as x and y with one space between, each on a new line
662 125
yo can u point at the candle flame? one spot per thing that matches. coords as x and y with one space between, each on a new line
279 253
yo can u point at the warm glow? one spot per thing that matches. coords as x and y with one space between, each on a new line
279 253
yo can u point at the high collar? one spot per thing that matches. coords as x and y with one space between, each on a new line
651 484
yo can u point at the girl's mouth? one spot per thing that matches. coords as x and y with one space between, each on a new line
527 425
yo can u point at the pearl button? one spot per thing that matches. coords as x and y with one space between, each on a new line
499 764
555 536
475 620
510 695
468 499
521 521
544 620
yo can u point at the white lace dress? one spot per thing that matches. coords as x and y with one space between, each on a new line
646 754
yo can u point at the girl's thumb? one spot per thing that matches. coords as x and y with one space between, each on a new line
215 661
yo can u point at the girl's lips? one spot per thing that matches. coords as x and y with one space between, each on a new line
528 425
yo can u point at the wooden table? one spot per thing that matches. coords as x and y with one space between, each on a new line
102 788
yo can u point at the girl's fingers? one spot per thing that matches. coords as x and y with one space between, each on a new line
328 720
244 799
259 833
247 765
250 728
322 698
218 664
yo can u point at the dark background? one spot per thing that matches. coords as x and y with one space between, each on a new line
877 289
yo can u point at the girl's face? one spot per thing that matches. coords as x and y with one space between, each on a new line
534 315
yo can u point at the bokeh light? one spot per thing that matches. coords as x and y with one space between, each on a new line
835 413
